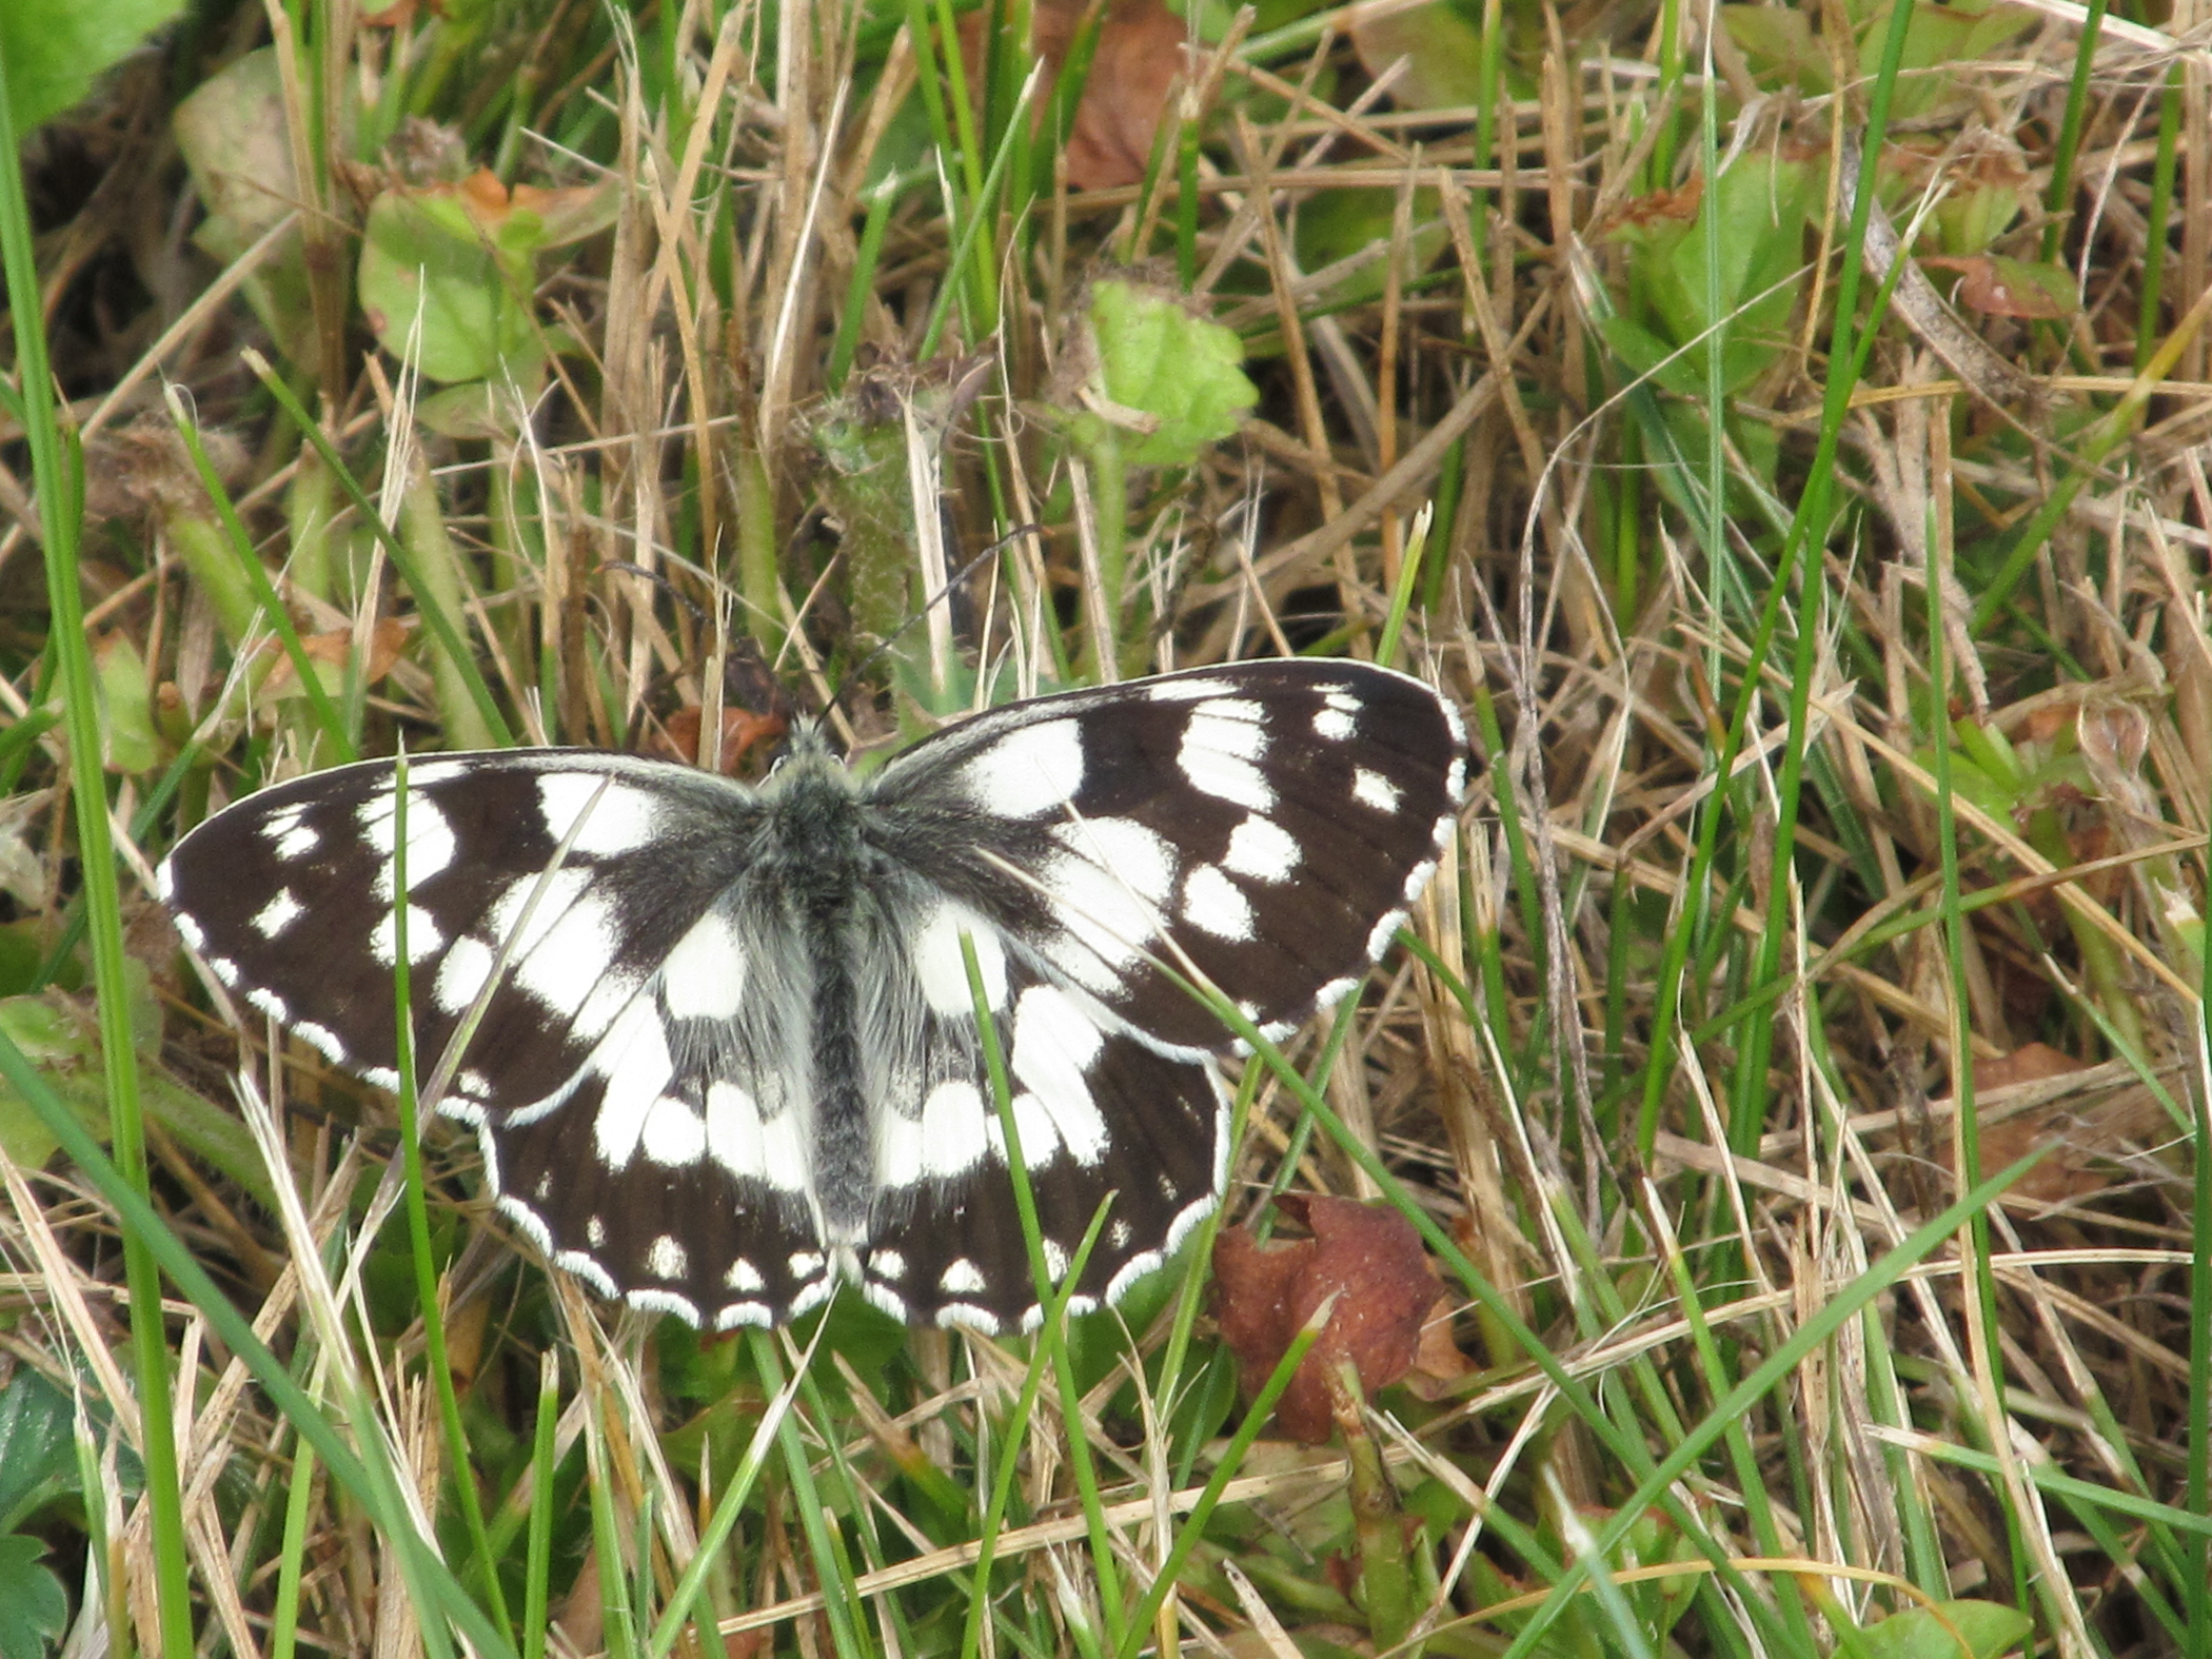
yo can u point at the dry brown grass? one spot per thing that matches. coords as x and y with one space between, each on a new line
1763 873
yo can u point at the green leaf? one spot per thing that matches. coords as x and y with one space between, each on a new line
1763 205
59 1033
1989 1629
1779 45
468 279
38 1454
33 1606
232 134
55 49
1155 358
1441 50
126 706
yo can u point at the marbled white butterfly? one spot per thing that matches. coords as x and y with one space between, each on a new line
724 1053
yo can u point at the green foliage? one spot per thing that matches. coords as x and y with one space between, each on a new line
1987 1629
1177 371
56 1030
33 1606
1762 205
54 50
232 134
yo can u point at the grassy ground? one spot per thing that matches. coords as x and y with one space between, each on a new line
1831 629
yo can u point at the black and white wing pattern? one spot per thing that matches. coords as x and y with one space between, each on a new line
718 1042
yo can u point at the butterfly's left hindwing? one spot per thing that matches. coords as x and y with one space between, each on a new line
724 1055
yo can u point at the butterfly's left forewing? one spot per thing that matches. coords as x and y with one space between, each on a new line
566 908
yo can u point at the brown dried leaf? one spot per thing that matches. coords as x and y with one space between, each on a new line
2000 287
386 640
2085 1140
1370 1259
743 733
1140 54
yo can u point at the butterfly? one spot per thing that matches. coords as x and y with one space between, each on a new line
719 1042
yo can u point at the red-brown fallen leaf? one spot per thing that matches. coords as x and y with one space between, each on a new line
1655 207
1984 287
1438 1362
1368 1258
743 731
1141 53
400 15
2083 1139
386 640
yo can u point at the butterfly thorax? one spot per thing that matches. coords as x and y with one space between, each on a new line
813 864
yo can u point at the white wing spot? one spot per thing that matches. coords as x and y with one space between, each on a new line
1139 860
1384 931
956 1134
1373 789
1262 849
743 1278
1054 1046
595 1232
961 1278
879 1295
666 1302
1333 724
1335 991
1232 726
1038 1128
568 945
431 844
674 1136
739 1314
1102 913
287 836
733 1136
784 1162
423 938
323 1040
608 818
1191 688
942 971
462 974
1055 1259
528 1223
604 1004
704 977
1416 879
887 1264
634 1065
1220 747
280 913
667 1258
1029 773
1214 902
582 1266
